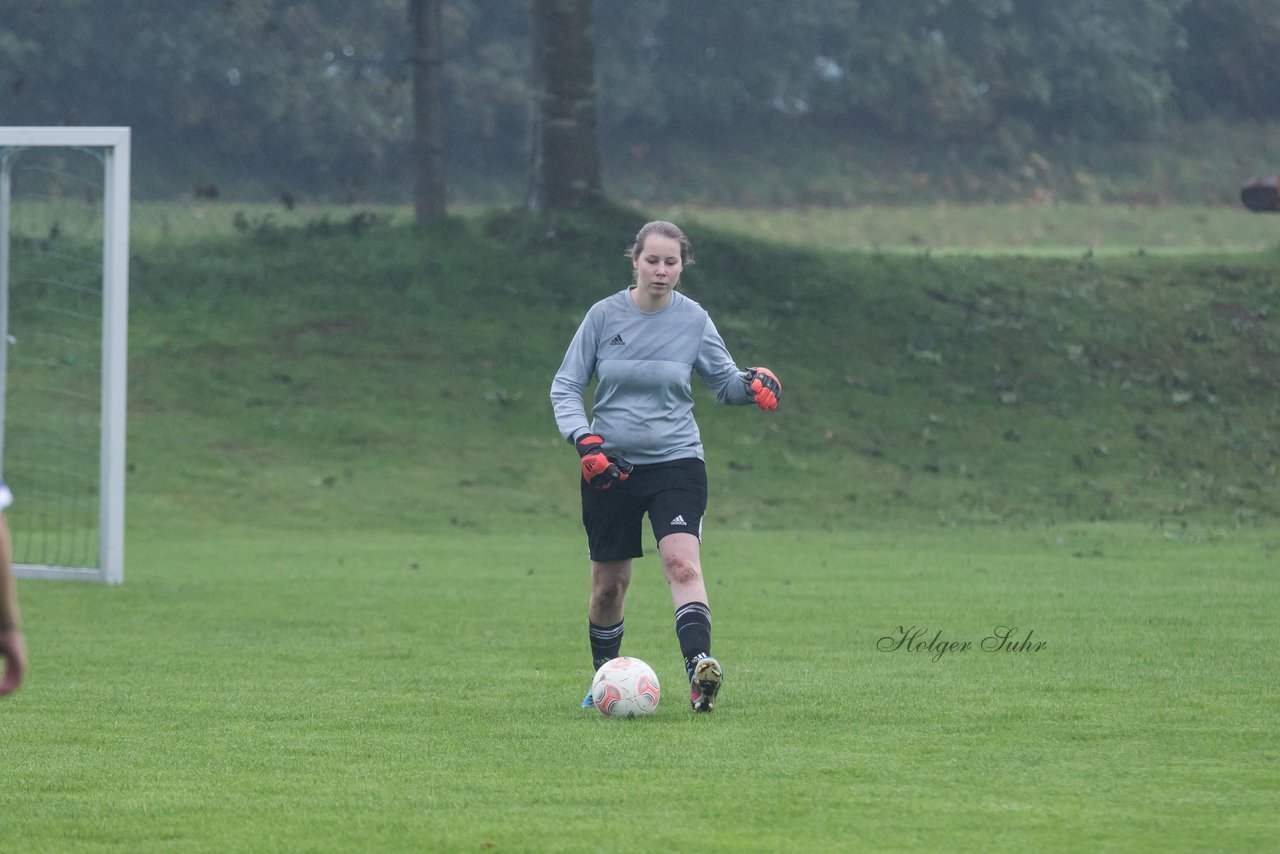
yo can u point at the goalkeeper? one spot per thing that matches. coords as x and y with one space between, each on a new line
13 653
642 453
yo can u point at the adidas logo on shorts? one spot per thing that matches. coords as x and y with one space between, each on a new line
679 520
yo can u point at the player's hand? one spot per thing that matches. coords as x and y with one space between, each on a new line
766 388
600 470
13 661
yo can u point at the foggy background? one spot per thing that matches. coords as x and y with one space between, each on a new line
744 102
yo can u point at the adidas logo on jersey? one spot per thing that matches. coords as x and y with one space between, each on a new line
679 520
617 341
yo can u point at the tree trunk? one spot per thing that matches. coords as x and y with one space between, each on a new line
428 110
565 172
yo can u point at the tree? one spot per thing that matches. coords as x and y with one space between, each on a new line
426 21
1230 59
316 96
565 169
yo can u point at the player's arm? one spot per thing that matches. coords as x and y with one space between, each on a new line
569 385
731 385
13 653
599 469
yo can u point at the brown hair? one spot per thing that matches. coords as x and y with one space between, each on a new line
663 229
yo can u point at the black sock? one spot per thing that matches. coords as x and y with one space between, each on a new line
693 629
605 643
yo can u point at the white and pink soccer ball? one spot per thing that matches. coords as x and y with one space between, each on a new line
625 688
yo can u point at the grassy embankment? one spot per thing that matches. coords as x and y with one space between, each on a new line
377 376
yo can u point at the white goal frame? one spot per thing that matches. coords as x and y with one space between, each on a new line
115 144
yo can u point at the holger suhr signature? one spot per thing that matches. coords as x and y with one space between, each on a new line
921 639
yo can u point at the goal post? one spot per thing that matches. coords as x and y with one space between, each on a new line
103 558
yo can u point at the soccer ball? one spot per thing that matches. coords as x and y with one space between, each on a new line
625 688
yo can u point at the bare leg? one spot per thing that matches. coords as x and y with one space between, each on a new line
682 565
683 568
609 583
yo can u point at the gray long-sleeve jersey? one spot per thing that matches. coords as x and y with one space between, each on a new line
643 362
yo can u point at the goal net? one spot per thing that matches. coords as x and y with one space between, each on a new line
64 268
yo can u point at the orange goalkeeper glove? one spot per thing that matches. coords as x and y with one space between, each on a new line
766 388
600 470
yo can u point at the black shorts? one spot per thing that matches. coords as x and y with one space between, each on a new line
674 495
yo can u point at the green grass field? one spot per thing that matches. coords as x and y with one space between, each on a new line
1069 230
354 608
248 689
1061 230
